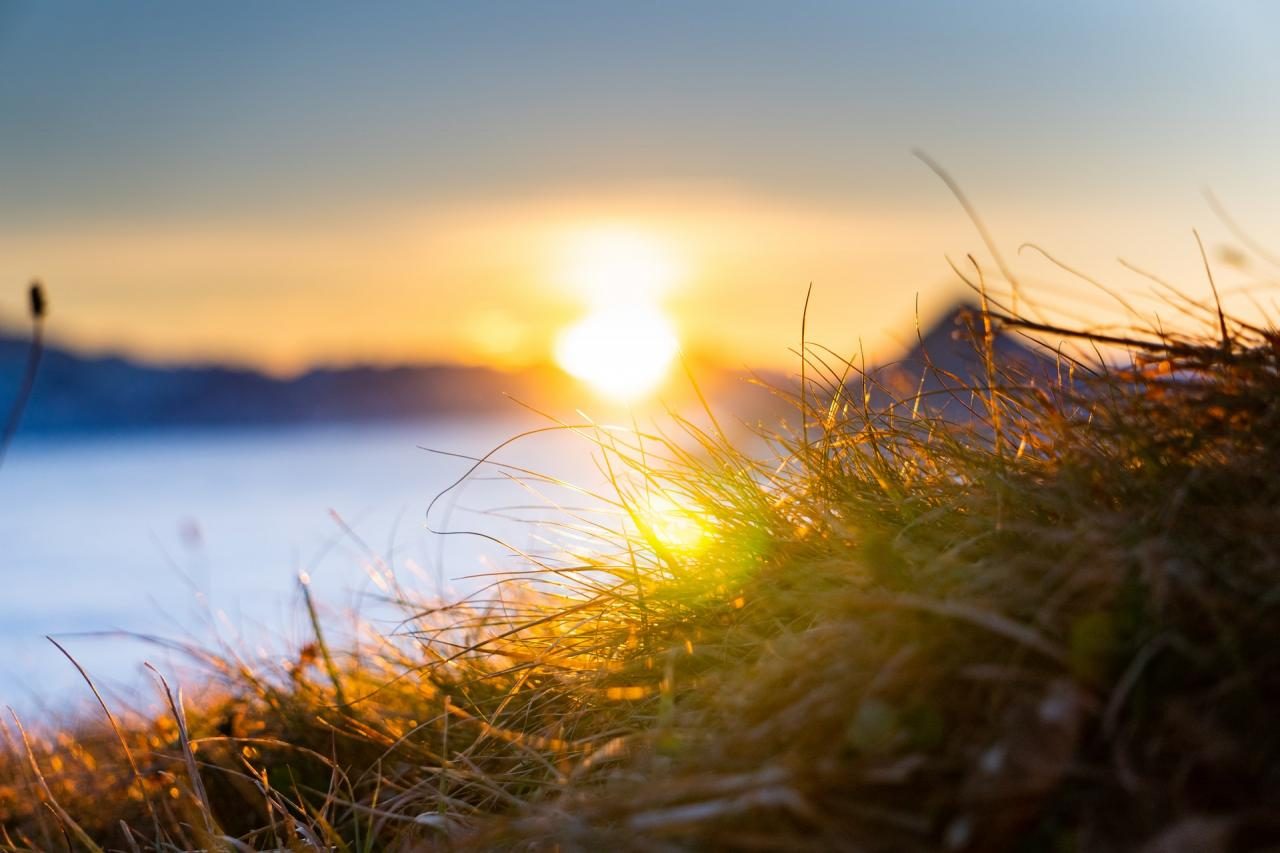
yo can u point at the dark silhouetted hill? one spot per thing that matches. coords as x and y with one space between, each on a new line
947 360
76 392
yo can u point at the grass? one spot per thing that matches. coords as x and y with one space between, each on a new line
1029 609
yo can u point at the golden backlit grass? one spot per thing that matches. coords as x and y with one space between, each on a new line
1033 608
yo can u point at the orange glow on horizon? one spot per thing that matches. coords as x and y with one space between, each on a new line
498 281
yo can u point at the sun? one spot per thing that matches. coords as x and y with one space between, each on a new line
624 344
622 351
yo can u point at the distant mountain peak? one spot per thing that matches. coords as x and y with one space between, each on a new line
953 344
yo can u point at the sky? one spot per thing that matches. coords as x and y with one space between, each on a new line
287 184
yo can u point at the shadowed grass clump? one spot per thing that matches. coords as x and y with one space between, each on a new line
1033 608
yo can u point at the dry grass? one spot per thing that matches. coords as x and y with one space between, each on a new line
1032 610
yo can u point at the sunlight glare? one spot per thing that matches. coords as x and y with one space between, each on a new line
608 266
623 351
672 524
624 345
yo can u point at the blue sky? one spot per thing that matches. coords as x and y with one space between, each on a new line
210 126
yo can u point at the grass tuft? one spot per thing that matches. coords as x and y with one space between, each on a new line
1029 608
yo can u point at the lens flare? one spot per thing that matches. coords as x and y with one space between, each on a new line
674 525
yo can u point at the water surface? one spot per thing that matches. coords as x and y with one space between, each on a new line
202 535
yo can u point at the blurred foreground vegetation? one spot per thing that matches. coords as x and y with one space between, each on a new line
1032 608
